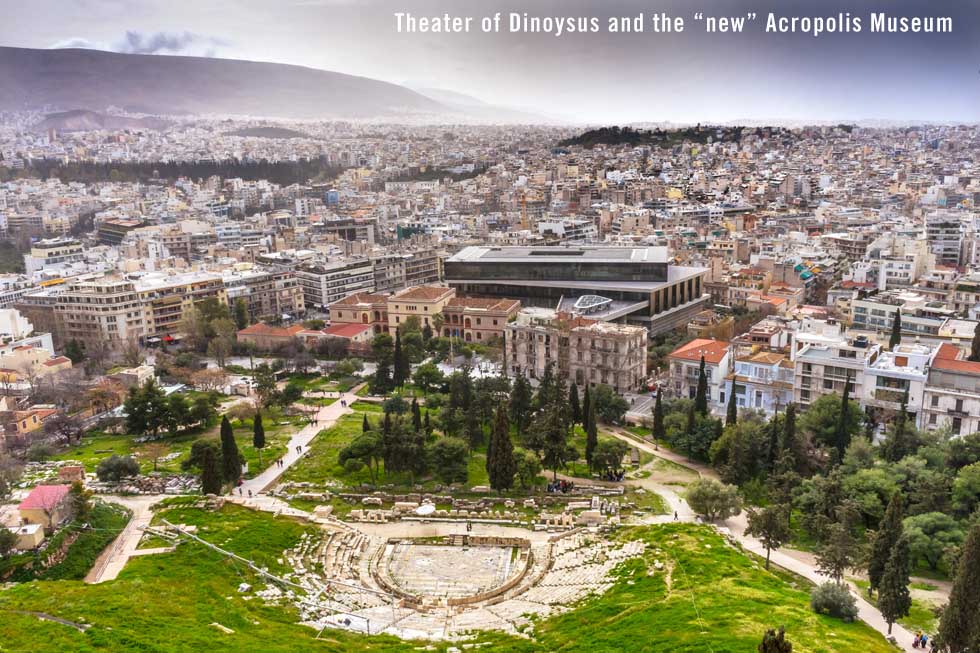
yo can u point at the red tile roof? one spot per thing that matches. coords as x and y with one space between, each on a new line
423 293
712 350
484 303
45 497
950 357
261 329
346 330
360 298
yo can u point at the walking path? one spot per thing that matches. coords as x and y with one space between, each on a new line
111 561
736 526
325 417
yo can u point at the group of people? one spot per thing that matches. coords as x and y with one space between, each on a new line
614 476
921 640
562 486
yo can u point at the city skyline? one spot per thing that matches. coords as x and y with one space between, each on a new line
583 78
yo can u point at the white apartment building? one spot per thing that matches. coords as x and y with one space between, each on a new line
952 394
824 359
894 373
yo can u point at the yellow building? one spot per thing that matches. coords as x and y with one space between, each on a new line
423 302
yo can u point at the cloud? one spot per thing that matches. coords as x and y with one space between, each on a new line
136 42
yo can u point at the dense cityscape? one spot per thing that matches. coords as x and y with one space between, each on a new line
404 383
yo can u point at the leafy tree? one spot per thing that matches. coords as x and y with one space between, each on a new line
713 500
241 314
146 409
770 526
889 532
732 415
520 403
202 411
265 382
823 418
574 405
963 451
396 404
501 465
959 627
659 431
894 340
210 472
609 406
966 489
428 377
701 395
528 467
740 453
8 539
894 599
448 459
930 535
837 553
775 642
115 468
367 450
818 499
258 435
74 351
608 455
231 465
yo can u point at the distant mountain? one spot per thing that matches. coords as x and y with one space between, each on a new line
476 109
91 79
82 120
267 132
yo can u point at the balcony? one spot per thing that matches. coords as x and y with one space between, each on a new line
890 395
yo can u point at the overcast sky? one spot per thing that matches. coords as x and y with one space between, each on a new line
590 78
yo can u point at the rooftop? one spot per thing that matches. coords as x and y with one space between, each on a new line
561 254
712 350
44 497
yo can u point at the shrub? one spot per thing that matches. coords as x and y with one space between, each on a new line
115 468
834 600
713 500
39 452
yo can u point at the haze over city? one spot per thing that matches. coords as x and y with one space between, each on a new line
685 78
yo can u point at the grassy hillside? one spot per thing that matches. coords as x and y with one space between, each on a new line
706 597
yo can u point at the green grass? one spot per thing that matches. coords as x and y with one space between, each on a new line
709 597
97 445
921 615
320 464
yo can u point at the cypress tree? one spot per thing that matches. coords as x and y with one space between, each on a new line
365 424
520 402
895 339
402 369
591 431
959 628
901 440
416 415
659 429
701 396
573 402
230 459
501 464
210 472
258 435
842 437
975 346
427 424
885 538
732 417
692 426
894 599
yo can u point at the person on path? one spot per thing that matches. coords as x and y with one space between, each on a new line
675 515
249 494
